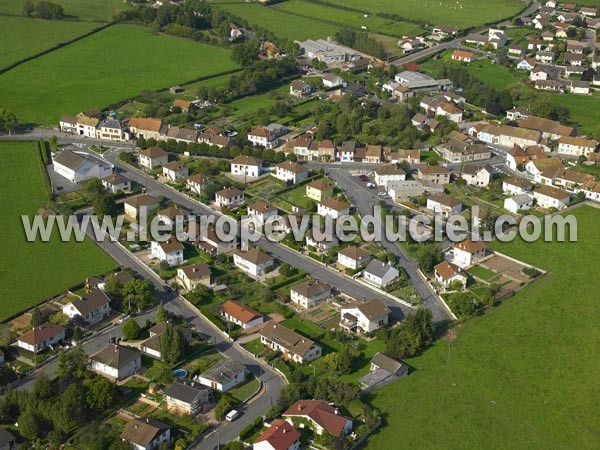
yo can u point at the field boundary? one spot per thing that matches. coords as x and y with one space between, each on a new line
54 48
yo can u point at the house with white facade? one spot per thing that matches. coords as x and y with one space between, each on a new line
229 197
365 317
261 211
333 208
293 346
169 251
253 262
140 204
550 197
444 204
116 182
153 157
92 307
446 273
175 171
521 202
77 167
353 257
388 173
310 293
41 337
477 175
466 253
116 362
187 397
146 433
263 137
223 375
246 166
516 186
319 416
169 216
240 314
380 274
290 171
576 146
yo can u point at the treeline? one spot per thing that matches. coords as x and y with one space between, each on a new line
413 336
43 10
360 41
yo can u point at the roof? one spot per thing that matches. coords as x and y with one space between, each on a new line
578 141
115 179
470 246
70 159
390 169
175 166
229 193
154 152
89 121
378 268
171 245
474 169
141 200
521 199
261 132
196 271
143 431
320 412
224 371
198 178
239 311
312 288
354 252
246 160
68 119
336 205
147 124
254 256
445 199
38 335
5 437
372 309
320 185
182 103
186 392
116 356
172 212
461 54
552 192
386 362
281 435
262 207
289 339
447 270
91 301
546 126
427 170
293 167
518 182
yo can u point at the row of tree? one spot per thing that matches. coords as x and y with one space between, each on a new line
43 10
361 41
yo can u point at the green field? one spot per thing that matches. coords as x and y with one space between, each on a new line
33 271
523 375
349 18
90 10
584 110
462 13
23 37
132 60
281 24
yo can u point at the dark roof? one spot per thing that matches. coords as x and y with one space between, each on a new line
289 339
378 268
224 371
311 288
115 178
143 431
386 363
5 437
253 255
185 392
373 308
116 356
38 335
70 159
91 301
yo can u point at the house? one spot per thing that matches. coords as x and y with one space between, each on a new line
184 105
462 56
576 146
373 154
253 261
545 57
169 251
112 130
146 128
86 126
388 173
417 81
550 85
434 174
7 440
465 254
328 51
223 375
591 190
196 182
526 64
153 346
353 257
476 175
320 416
173 214
321 241
550 129
299 88
41 337
518 203
194 275
515 51
261 211
444 31
384 369
145 433
578 87
139 205
537 167
247 166
310 293
318 190
229 197
446 273
365 317
463 151
538 74
380 274
68 124
116 182
210 242
178 134
153 157
333 208
331 80
240 314
326 150
509 136
116 362
293 346
187 398
77 167
291 172
93 307
444 204
516 186
262 137
573 59
175 171
517 113
281 435
550 197
412 157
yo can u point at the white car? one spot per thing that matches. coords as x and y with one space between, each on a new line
371 185
232 415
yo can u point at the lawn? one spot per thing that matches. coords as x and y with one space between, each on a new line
22 38
75 78
584 110
482 272
283 25
464 13
298 197
304 327
242 392
255 346
521 376
89 10
31 272
249 105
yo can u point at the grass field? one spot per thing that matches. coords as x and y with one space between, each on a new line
584 110
23 37
281 24
32 272
89 10
521 376
462 13
349 18
133 60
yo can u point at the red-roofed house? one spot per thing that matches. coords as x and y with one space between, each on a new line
280 436
320 416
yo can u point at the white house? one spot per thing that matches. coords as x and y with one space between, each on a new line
293 346
388 173
240 314
331 80
187 397
41 337
175 171
169 251
153 157
550 197
253 262
320 416
281 435
146 433
291 171
115 183
261 211
518 203
143 203
87 126
116 362
380 273
476 175
196 182
353 257
333 208
591 190
263 137
446 273
310 293
321 241
93 307
229 197
444 204
516 186
77 167
465 254
170 215
246 166
224 375
365 317
576 146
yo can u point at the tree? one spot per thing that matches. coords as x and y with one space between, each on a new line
8 121
99 394
36 317
42 387
131 329
140 293
30 424
161 314
28 8
105 205
71 365
428 256
6 335
222 407
172 344
77 334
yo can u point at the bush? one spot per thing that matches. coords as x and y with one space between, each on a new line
249 430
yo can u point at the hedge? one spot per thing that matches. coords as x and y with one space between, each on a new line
249 430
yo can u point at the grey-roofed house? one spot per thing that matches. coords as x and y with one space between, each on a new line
116 362
187 398
146 433
310 293
7 440
380 273
224 375
115 183
384 370
365 316
76 167
93 307
293 346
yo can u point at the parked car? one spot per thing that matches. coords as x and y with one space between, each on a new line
371 185
232 415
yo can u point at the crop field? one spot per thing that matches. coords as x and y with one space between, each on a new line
461 13
22 37
528 366
133 60
349 18
88 10
33 271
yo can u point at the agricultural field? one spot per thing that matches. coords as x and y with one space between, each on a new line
74 78
523 366
22 37
86 10
283 25
348 18
33 271
462 13
584 110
